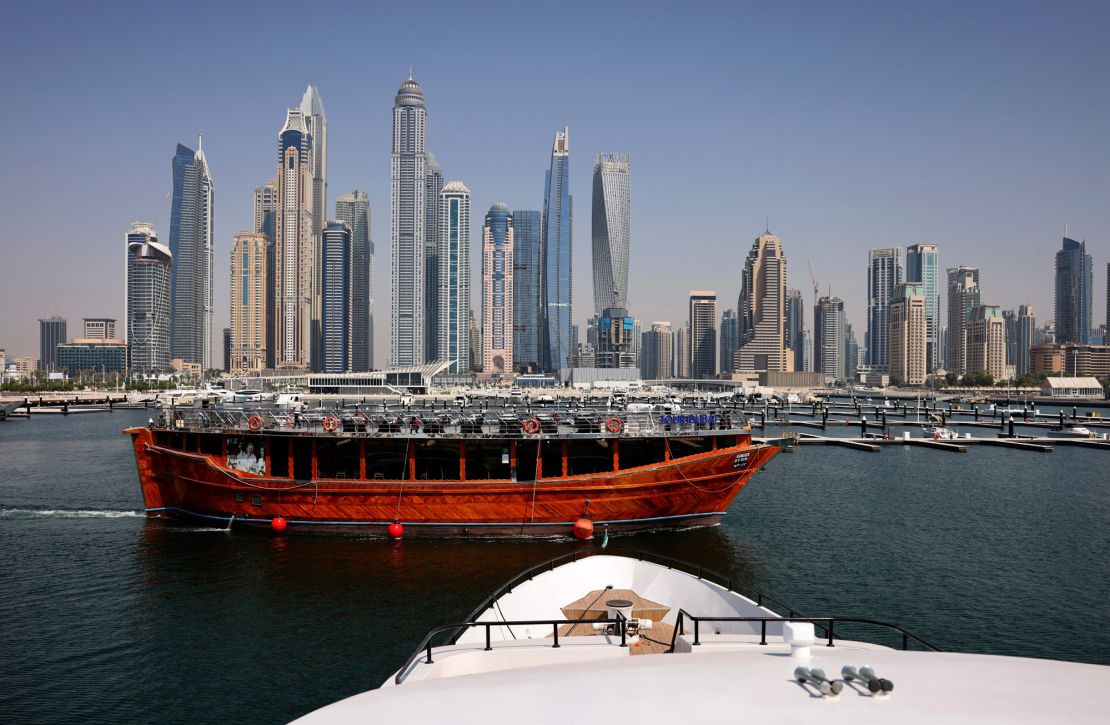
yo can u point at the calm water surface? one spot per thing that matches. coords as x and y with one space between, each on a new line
107 616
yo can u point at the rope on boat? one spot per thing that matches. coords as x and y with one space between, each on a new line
703 490
404 473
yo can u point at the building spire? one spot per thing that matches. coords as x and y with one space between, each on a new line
410 72
200 142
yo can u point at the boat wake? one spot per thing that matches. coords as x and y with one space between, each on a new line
19 513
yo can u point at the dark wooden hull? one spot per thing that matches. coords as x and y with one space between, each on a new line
690 491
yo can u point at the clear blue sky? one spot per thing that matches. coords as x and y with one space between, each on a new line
983 127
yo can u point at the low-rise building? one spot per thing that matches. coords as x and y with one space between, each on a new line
102 355
1086 387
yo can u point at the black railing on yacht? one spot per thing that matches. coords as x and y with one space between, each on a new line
827 625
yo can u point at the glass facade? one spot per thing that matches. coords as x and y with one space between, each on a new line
527 298
149 272
884 273
454 277
336 296
556 277
354 209
1074 281
191 244
922 268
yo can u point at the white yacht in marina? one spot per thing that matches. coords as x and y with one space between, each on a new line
625 636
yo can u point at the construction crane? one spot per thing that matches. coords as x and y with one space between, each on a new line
813 279
162 208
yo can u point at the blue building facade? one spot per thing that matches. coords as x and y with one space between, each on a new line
191 245
556 279
922 268
527 307
454 277
336 298
1074 280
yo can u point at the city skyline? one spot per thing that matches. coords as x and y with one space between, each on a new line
1019 221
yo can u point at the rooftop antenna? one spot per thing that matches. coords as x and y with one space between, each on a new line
410 72
200 142
766 225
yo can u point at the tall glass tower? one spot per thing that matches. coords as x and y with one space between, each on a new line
884 273
191 240
335 274
1074 281
52 332
149 269
611 231
433 184
265 223
497 291
407 218
556 278
922 269
316 125
354 209
454 277
527 308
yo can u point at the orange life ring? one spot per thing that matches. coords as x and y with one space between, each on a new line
331 424
531 426
614 425
255 422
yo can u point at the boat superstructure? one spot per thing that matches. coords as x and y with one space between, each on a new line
478 470
627 636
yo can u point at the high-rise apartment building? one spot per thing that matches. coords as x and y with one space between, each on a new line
761 308
354 210
407 233
433 184
963 297
265 223
884 273
147 294
497 291
730 333
922 267
295 247
681 353
795 327
227 350
908 334
1074 282
657 352
829 338
703 334
335 292
249 268
527 297
611 227
312 110
191 244
454 276
1026 336
986 341
852 357
52 332
99 328
556 278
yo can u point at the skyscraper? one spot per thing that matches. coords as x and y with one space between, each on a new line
851 351
963 296
312 110
354 209
52 332
335 293
907 334
795 329
295 252
761 308
1074 281
527 299
227 350
986 341
497 291
149 273
884 273
556 277
611 231
681 354
265 223
191 243
828 338
1026 338
922 268
703 334
433 184
249 313
407 217
657 353
454 276
730 331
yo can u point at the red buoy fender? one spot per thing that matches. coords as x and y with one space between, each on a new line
583 529
255 422
277 523
331 424
396 530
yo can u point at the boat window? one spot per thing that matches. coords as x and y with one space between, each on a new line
591 455
437 460
302 459
337 458
681 447
210 444
646 452
487 460
279 457
246 455
386 459
552 459
526 452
